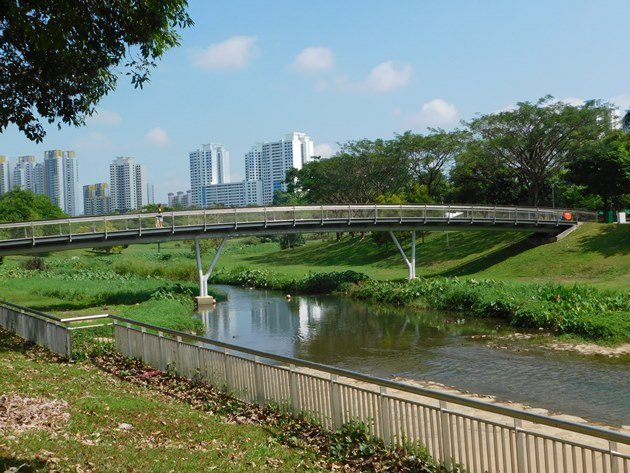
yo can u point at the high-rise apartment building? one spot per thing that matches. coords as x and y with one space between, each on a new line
5 174
208 165
28 175
234 194
96 199
270 162
150 194
127 181
61 177
181 200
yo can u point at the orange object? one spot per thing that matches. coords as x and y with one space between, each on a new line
567 216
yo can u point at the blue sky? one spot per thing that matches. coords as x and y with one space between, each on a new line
252 71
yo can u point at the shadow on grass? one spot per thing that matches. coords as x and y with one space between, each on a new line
485 261
611 240
22 465
354 252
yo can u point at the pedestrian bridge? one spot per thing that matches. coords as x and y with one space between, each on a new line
112 230
98 231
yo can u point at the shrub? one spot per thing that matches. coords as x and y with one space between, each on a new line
35 264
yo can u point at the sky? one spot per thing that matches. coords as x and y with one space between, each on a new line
252 71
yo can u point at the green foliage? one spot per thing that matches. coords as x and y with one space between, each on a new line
325 283
21 205
578 310
108 250
79 51
291 240
35 264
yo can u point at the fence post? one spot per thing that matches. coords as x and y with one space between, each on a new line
295 402
228 371
161 349
335 402
386 420
145 358
179 371
446 434
68 341
520 446
260 392
614 464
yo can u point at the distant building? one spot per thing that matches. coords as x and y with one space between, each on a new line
270 162
5 175
127 182
61 177
28 175
234 194
208 165
181 200
97 199
150 194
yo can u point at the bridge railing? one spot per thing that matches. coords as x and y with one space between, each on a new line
233 217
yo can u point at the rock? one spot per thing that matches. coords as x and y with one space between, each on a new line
125 426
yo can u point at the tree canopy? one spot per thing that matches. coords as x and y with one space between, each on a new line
536 140
22 205
59 58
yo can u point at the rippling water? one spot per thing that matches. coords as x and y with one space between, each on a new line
425 345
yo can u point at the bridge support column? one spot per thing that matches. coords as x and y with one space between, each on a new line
411 264
204 298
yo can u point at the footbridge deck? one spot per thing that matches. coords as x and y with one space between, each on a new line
88 232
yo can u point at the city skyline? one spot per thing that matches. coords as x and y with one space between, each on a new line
265 69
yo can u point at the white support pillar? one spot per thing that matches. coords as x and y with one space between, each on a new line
204 298
411 265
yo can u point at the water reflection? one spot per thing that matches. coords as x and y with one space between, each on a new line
387 342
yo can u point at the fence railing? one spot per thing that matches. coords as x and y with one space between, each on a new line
43 329
271 218
454 429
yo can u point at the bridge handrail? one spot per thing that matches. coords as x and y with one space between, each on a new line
450 208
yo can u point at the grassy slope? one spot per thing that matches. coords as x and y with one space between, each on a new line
167 435
594 254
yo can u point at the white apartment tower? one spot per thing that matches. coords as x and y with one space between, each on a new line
208 165
28 175
61 177
5 175
127 184
269 162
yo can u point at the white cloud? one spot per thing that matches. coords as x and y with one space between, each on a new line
314 59
233 53
436 112
574 101
103 116
324 150
157 137
92 141
386 77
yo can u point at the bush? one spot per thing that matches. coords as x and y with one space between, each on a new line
35 264
324 283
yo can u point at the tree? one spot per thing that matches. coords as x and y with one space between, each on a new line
603 167
360 172
22 205
59 58
430 156
536 140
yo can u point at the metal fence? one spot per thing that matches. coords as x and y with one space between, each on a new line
43 329
480 436
453 429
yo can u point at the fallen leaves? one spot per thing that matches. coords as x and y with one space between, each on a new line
18 413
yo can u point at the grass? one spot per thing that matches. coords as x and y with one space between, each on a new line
166 435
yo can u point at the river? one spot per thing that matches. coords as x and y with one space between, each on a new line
434 346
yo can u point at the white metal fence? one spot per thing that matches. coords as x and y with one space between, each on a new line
480 436
43 329
456 430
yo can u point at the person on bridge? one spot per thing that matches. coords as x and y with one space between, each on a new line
159 218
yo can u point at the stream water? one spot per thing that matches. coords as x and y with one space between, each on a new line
423 345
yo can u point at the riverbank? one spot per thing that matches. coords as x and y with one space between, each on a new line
576 287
